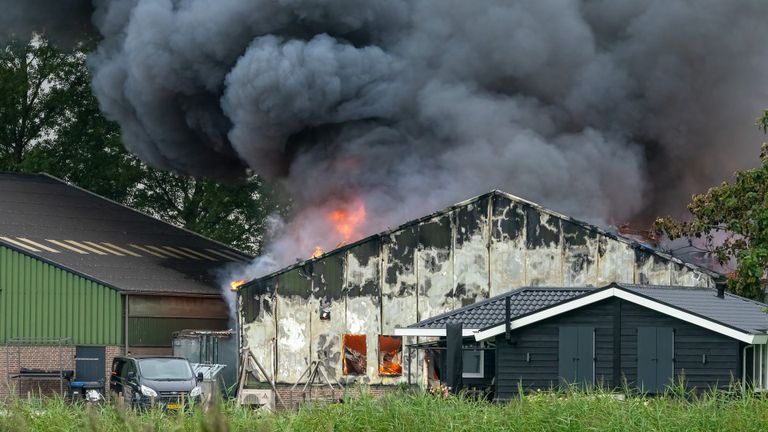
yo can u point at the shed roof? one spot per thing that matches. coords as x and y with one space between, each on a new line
735 311
489 312
112 244
732 315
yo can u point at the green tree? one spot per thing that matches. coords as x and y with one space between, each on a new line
739 210
50 122
36 81
233 213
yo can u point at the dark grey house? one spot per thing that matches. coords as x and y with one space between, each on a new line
650 336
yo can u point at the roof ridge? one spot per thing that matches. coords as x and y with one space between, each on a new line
498 297
493 192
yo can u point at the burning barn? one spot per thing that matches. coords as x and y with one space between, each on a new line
342 308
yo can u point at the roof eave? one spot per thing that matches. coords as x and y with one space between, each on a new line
430 332
615 290
105 283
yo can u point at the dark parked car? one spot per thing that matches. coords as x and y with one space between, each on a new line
166 382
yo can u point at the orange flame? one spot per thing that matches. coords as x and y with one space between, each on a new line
391 366
347 222
236 284
318 251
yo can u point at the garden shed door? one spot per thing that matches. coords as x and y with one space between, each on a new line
576 348
655 354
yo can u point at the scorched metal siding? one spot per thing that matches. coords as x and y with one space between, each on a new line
39 300
469 252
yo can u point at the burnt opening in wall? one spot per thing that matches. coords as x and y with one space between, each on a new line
390 355
434 359
355 349
325 310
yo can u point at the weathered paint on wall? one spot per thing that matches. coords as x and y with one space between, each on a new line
328 301
471 261
480 248
259 322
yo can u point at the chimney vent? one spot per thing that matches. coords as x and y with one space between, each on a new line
720 285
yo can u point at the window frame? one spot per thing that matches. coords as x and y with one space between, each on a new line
481 372
345 370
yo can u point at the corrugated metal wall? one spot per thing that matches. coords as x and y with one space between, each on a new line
158 332
38 300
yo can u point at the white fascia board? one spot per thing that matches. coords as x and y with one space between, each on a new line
547 313
632 298
691 318
433 332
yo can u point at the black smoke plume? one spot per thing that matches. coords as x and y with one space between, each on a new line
610 111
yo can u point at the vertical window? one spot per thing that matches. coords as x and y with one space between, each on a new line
355 349
390 355
473 361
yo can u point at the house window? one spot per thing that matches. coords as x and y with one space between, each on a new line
473 361
390 355
355 350
755 367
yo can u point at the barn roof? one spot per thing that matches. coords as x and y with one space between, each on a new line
589 227
87 234
731 315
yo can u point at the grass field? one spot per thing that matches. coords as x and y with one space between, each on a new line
408 411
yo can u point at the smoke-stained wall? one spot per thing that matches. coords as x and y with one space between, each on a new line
476 249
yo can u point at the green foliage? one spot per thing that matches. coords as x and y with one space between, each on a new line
739 210
50 122
416 411
762 122
233 213
36 83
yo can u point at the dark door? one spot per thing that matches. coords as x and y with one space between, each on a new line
89 363
576 355
115 381
655 358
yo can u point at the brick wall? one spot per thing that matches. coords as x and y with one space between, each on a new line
110 353
150 351
324 393
12 358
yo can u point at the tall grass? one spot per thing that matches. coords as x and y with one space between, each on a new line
416 411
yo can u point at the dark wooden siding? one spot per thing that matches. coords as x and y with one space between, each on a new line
691 342
541 341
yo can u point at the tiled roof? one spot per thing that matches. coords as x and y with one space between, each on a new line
733 311
80 231
491 311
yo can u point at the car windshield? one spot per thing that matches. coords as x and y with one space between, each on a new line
165 369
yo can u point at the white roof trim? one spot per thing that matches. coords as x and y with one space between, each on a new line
435 332
632 298
547 313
